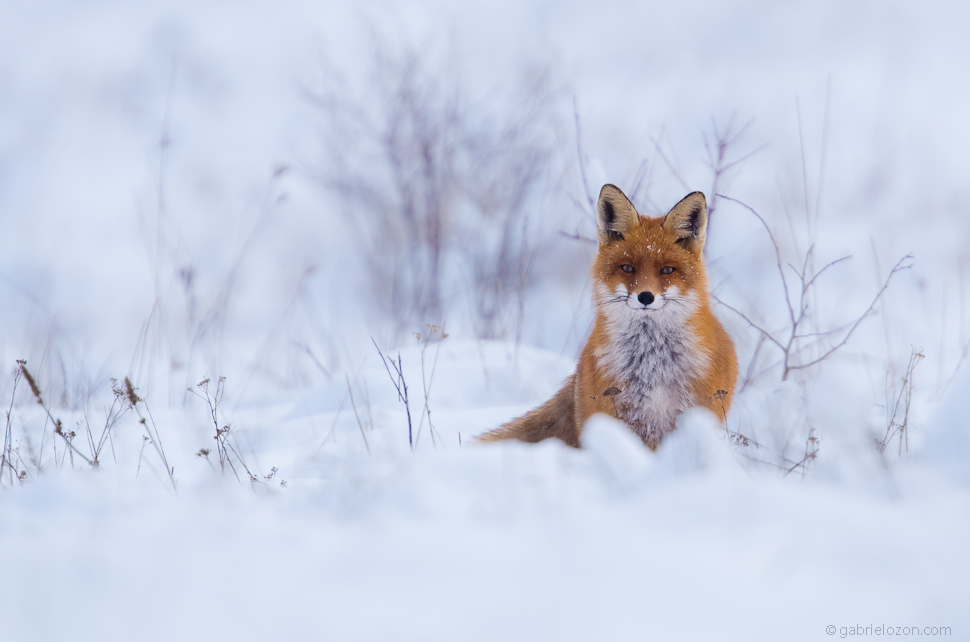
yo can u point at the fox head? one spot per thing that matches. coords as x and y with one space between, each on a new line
649 266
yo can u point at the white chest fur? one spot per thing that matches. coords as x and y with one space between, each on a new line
656 360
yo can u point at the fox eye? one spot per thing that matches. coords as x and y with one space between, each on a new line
627 267
666 270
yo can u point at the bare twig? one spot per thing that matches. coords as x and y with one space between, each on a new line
897 268
8 432
667 162
811 453
774 243
399 384
132 398
898 419
798 311
717 153
576 236
426 382
749 373
224 447
764 333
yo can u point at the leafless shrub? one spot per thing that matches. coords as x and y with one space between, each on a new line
427 177
804 340
794 339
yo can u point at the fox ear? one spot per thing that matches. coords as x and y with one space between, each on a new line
615 215
687 222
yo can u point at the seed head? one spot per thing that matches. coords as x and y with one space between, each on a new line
34 388
130 392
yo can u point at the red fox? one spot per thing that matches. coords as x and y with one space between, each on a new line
656 347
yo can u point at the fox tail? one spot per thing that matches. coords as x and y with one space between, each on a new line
555 418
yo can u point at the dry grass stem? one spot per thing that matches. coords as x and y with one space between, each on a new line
356 414
224 447
5 456
129 394
67 436
436 335
897 423
399 384
811 453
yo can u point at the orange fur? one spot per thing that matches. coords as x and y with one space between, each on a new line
656 347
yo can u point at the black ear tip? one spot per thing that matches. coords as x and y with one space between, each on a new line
699 196
610 190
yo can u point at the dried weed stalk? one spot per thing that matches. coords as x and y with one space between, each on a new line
434 335
811 453
399 384
6 457
897 408
356 414
224 447
67 435
129 395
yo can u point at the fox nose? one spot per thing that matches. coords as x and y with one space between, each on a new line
646 298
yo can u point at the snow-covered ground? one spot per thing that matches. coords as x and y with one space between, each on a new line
170 212
464 542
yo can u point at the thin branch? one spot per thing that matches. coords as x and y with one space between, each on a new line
667 162
8 432
400 385
754 325
774 243
827 266
728 166
897 268
749 374
576 236
384 360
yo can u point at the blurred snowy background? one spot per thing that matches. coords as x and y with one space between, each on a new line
263 191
